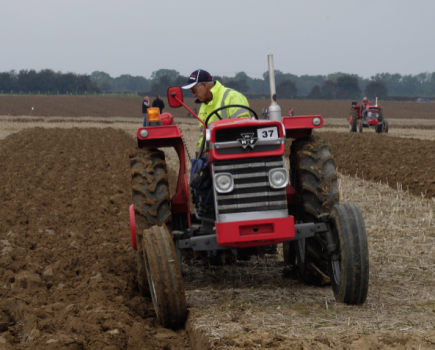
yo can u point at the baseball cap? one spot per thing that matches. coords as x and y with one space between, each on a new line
197 76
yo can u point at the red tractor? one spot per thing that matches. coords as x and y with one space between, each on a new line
366 116
252 201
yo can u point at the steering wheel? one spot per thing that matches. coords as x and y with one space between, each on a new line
225 107
220 118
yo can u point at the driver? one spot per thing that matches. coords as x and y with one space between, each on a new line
214 95
365 103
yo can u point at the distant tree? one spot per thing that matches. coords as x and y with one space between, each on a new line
347 87
7 81
161 85
432 83
279 76
100 76
162 72
180 80
329 90
376 88
286 89
217 78
243 80
315 93
232 84
335 76
106 86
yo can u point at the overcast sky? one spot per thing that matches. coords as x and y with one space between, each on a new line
223 37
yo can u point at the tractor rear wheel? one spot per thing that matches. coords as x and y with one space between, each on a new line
350 273
164 277
313 176
354 114
150 196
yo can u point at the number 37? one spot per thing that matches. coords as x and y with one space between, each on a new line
265 133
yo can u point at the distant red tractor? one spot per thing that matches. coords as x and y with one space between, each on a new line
251 201
364 117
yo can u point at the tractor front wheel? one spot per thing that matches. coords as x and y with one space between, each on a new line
164 277
150 196
313 176
359 126
385 126
349 273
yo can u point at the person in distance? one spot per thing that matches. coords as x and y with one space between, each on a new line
159 103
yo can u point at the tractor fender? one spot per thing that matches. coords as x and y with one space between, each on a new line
133 227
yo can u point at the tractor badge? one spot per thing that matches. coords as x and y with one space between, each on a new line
248 140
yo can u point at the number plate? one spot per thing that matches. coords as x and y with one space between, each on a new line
270 133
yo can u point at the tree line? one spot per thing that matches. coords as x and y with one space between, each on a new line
46 81
332 86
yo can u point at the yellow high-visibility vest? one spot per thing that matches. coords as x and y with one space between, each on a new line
222 96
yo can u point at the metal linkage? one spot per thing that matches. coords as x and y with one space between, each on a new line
208 242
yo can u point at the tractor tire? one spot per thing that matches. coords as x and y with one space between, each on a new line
350 273
385 127
359 126
164 277
354 114
379 128
150 196
313 176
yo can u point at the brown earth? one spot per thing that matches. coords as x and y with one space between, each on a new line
67 269
73 106
374 157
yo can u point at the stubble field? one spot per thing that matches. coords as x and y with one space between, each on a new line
68 270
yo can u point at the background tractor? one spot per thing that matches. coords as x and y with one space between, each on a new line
364 117
249 201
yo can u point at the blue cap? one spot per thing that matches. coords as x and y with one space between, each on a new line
196 77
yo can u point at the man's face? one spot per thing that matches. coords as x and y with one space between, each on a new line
200 91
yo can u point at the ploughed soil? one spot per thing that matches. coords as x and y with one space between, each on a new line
392 160
67 269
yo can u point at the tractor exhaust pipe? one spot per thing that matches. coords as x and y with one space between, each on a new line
274 108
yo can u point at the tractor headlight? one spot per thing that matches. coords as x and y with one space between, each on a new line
224 182
369 114
144 133
278 178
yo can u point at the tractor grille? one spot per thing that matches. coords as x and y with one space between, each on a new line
252 192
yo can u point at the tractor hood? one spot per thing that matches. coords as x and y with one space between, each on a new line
241 138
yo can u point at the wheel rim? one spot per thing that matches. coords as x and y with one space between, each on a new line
301 245
152 287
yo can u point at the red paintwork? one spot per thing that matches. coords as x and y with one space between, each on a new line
170 136
133 227
300 126
241 122
241 234
291 195
167 119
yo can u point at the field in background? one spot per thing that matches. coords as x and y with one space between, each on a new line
131 107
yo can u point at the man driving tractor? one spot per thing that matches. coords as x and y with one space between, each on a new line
214 95
365 103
